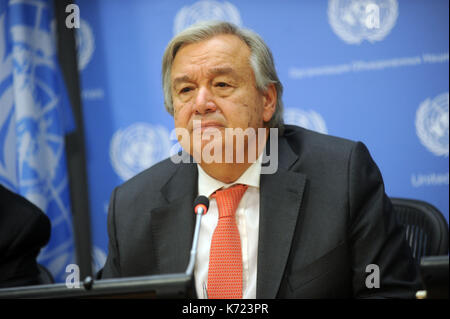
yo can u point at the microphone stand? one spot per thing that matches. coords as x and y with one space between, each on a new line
190 267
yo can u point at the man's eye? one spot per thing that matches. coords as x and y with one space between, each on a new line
222 84
185 90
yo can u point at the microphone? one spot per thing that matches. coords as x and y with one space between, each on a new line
201 205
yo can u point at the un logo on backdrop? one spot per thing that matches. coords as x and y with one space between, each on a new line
7 125
432 124
138 147
357 20
40 143
307 119
206 10
84 38
32 156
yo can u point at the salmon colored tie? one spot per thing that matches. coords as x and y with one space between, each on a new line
225 257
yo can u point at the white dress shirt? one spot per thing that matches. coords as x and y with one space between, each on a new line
247 220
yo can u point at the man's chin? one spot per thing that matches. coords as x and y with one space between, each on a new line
209 151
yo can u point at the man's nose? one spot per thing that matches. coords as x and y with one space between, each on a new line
204 102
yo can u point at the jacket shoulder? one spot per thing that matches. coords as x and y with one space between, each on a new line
153 177
304 142
145 189
22 224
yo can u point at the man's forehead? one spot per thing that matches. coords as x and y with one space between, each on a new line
230 39
219 55
224 46
210 72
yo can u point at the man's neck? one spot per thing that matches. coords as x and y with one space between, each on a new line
230 172
225 172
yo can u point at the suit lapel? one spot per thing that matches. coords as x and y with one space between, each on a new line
173 224
281 194
280 200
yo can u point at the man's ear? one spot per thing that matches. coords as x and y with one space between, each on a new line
270 102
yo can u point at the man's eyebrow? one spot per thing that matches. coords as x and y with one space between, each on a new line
223 71
212 71
181 79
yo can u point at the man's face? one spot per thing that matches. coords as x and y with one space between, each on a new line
213 81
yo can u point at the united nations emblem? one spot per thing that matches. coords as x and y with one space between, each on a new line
138 147
40 143
85 44
206 10
307 119
432 124
357 20
32 152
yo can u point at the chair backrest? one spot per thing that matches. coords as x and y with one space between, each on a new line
45 277
426 227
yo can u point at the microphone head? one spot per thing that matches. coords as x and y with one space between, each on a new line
201 202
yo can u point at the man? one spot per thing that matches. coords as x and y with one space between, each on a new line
319 226
24 230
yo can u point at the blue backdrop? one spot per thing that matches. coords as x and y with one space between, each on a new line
35 115
375 71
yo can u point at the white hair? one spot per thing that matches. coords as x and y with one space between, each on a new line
261 61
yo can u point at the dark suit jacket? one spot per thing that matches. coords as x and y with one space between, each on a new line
24 230
324 217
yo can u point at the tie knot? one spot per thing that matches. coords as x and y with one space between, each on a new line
228 199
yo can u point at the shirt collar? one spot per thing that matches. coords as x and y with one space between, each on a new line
207 185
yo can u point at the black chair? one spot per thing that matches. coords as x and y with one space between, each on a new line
426 227
45 277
